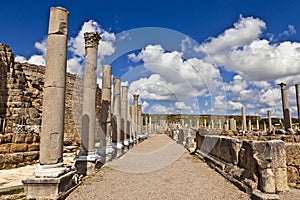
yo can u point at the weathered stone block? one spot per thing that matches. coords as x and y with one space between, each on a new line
29 138
34 147
18 148
19 138
36 138
230 149
293 174
13 159
5 148
29 157
6 138
270 154
293 154
267 181
281 179
246 159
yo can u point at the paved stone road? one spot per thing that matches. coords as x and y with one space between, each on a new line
157 168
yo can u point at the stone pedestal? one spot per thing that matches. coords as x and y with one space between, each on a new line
48 188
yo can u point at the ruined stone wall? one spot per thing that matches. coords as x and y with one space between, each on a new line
256 165
17 150
21 106
293 163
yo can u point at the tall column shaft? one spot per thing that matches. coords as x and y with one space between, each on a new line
89 92
52 133
130 119
146 125
298 101
124 112
140 119
117 111
244 124
135 114
150 124
106 104
285 107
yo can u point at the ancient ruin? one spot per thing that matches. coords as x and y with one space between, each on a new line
51 176
43 110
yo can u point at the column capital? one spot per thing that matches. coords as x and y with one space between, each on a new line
91 39
282 85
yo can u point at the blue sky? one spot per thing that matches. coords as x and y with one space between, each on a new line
181 57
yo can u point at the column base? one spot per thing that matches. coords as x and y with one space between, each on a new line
88 156
87 163
49 187
117 150
50 171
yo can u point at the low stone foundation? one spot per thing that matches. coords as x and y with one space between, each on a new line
258 167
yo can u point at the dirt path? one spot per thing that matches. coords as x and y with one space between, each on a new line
179 176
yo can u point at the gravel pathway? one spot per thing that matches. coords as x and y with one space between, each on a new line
136 176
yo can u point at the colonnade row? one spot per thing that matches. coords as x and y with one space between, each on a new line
120 124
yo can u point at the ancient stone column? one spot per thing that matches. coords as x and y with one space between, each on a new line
285 107
146 125
249 125
140 119
265 127
220 124
204 123
197 124
89 95
298 100
227 125
150 125
244 124
135 114
124 113
106 105
234 124
231 124
270 120
51 178
116 122
116 112
212 124
52 133
130 118
257 125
